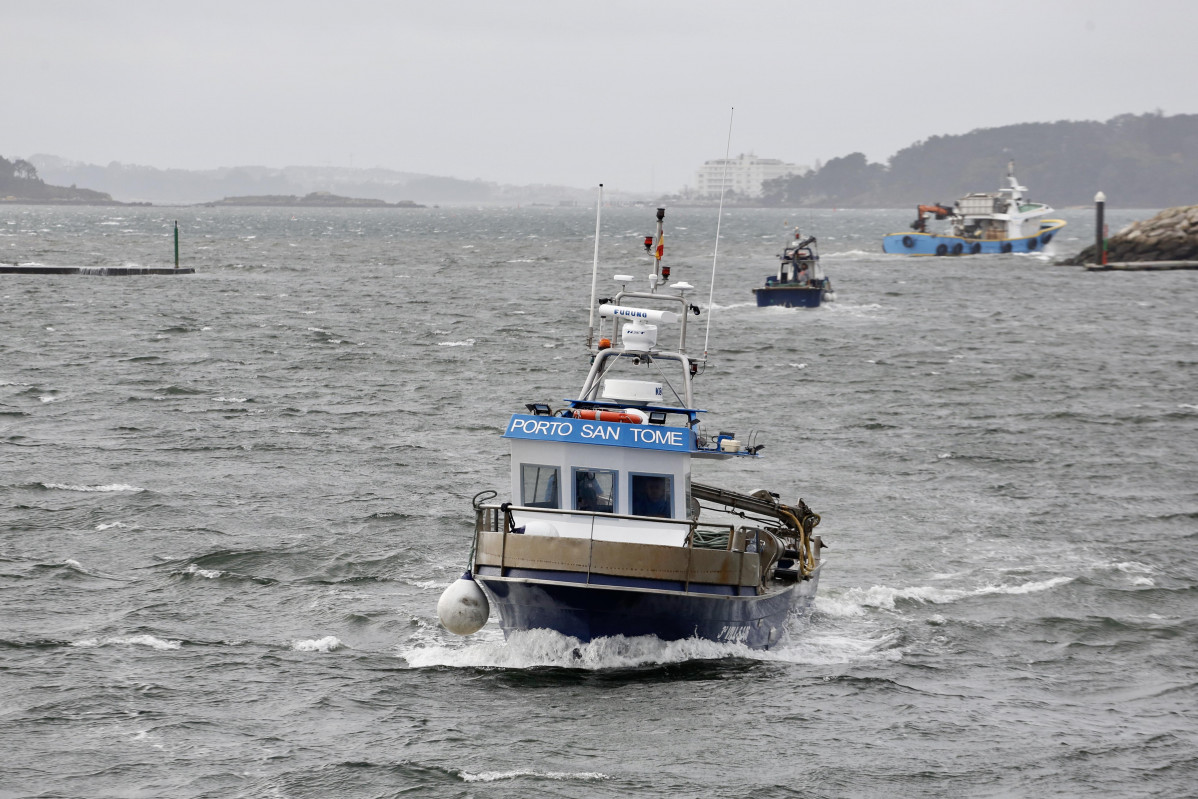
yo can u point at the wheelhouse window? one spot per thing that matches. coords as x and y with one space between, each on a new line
652 495
595 490
540 486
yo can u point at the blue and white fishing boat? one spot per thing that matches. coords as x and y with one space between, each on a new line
800 281
1003 221
605 532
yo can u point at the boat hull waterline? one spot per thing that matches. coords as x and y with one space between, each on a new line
792 296
589 611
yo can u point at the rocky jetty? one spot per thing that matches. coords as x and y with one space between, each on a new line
1171 235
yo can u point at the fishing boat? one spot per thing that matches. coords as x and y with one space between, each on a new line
1002 221
606 533
800 281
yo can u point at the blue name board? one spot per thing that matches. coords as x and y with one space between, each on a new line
613 434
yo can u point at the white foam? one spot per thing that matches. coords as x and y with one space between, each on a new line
1139 574
840 649
330 643
467 343
112 487
493 776
132 640
841 307
856 601
118 525
808 644
538 648
210 574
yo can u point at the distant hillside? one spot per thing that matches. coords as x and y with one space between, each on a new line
1148 161
186 187
19 182
317 199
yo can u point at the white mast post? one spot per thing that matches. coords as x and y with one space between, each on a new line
594 272
719 216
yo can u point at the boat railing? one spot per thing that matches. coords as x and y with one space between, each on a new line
737 543
488 516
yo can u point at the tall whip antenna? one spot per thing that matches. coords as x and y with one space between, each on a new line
594 271
719 217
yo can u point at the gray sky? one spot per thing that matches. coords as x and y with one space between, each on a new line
635 95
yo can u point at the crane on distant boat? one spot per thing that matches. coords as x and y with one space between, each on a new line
921 222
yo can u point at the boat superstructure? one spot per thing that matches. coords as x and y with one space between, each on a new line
1002 221
606 532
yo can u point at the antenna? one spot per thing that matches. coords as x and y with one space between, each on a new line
594 271
715 253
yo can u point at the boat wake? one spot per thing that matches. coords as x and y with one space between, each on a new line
807 644
860 601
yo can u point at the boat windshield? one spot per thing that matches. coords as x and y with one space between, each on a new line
540 486
595 490
652 495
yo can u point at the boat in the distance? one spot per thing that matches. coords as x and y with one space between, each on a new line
800 281
1002 221
606 533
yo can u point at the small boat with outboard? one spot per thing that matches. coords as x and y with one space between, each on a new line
1002 221
800 281
606 532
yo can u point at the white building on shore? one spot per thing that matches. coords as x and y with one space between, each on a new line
743 174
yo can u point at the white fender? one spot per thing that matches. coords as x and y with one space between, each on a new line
463 608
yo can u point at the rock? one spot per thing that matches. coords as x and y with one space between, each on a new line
1171 235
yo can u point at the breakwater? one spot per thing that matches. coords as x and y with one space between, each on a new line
106 271
1171 235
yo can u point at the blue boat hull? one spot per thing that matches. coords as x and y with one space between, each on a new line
933 244
555 601
791 296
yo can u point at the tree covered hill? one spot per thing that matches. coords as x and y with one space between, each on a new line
1147 161
19 182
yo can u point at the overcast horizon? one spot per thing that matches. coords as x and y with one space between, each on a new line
633 96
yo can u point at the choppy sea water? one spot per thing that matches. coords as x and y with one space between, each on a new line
230 501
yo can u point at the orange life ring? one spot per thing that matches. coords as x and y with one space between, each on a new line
608 416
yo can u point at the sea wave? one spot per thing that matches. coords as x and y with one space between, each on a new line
153 642
101 488
330 643
858 601
494 776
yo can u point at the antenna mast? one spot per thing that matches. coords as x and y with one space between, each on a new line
715 253
594 272
660 273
